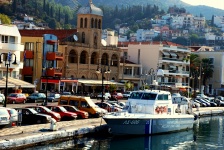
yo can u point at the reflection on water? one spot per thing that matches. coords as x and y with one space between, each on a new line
207 134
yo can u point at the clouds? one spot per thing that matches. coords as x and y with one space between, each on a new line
213 3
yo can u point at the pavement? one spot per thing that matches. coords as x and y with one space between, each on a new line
18 131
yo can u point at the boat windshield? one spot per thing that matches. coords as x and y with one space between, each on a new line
143 96
149 96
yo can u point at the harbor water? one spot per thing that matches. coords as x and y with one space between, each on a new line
207 134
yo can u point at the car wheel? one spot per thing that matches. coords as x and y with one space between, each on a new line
38 121
13 102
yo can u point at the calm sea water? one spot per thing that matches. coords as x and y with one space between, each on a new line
208 134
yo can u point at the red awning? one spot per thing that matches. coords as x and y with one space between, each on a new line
52 42
183 89
71 81
55 81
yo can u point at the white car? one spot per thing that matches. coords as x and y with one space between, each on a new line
127 94
4 117
13 115
2 98
105 96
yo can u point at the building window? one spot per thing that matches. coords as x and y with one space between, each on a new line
86 22
83 37
96 23
99 24
14 74
72 57
28 63
81 23
92 23
5 39
12 39
29 46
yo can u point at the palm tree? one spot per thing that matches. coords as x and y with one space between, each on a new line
129 86
206 70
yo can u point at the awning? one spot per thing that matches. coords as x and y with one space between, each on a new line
166 53
99 82
2 84
67 80
18 82
54 81
173 54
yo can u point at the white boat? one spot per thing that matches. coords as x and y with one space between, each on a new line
150 112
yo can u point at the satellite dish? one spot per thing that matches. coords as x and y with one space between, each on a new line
75 37
103 42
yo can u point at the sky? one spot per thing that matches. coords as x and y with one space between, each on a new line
213 3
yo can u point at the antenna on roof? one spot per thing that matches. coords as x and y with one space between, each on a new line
75 37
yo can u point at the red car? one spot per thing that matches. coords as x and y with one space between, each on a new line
47 111
65 115
118 95
16 98
108 106
80 113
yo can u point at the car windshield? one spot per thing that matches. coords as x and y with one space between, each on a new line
13 111
33 111
52 95
62 109
34 94
46 109
12 95
3 112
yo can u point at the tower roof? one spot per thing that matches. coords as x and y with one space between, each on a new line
90 9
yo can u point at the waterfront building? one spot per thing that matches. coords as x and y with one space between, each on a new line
168 56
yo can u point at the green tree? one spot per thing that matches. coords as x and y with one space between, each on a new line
112 88
129 86
206 70
5 19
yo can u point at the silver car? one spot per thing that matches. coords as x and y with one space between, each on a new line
13 115
2 98
4 117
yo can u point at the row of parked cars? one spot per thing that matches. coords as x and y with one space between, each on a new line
115 95
39 114
14 98
205 101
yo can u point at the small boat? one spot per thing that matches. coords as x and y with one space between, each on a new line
150 112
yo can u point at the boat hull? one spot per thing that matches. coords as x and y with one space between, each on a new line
147 126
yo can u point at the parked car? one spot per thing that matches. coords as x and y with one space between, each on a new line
127 94
80 113
47 111
203 101
213 104
107 106
65 115
30 116
4 117
2 98
202 104
105 96
16 98
118 95
219 100
36 97
13 115
66 93
53 97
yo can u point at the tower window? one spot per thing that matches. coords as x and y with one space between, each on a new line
81 23
92 23
95 23
83 37
85 22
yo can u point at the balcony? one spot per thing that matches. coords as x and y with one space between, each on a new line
52 42
54 56
54 72
27 70
29 54
12 46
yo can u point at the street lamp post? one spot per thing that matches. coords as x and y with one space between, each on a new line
8 60
102 71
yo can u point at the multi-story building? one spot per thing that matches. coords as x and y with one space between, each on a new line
73 55
10 41
169 57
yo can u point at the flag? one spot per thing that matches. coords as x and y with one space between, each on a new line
24 56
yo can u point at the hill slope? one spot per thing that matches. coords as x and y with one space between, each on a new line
163 4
